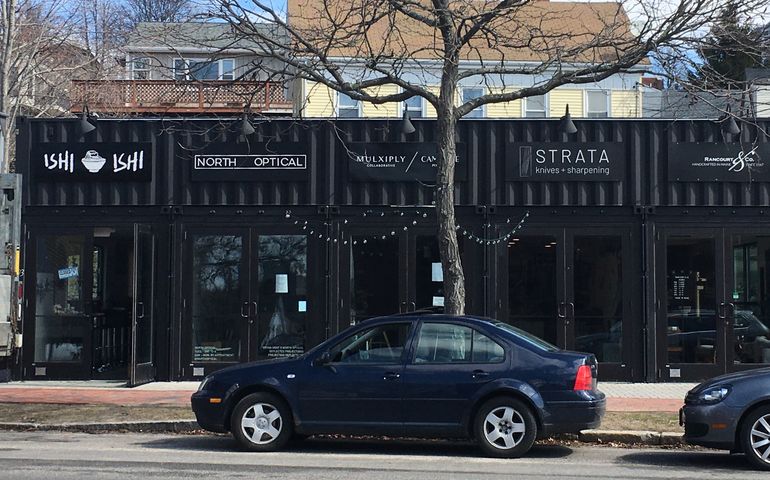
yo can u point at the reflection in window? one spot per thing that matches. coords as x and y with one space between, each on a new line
749 294
471 94
448 343
535 106
691 299
381 344
283 297
216 298
59 328
599 296
347 107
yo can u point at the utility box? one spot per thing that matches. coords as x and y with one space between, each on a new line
10 271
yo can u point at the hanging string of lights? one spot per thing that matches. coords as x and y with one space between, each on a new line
318 228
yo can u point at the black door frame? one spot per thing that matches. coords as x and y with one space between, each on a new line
143 307
564 225
250 229
681 371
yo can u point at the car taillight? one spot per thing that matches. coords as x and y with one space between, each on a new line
584 380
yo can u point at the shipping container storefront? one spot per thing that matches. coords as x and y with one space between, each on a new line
163 250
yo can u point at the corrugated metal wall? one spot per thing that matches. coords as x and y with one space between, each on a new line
645 144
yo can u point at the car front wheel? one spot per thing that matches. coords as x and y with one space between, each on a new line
755 436
261 422
505 427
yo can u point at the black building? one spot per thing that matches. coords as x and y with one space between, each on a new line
159 249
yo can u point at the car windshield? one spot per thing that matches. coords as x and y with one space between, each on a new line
527 337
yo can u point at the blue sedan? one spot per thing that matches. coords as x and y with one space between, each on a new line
410 375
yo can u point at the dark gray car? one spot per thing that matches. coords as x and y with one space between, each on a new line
731 412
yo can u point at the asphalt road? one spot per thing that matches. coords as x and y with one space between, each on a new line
50 455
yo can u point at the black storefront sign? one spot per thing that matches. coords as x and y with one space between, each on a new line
92 161
569 161
250 162
399 162
721 162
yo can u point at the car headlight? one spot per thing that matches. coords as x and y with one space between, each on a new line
714 394
202 386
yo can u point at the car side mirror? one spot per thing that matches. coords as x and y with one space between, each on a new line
324 359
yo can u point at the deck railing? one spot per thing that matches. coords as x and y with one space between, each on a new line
168 96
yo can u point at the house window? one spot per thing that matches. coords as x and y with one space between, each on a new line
414 107
347 107
203 69
536 107
140 69
597 104
470 94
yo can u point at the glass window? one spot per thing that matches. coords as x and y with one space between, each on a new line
180 69
443 343
347 107
414 107
381 344
59 306
536 106
596 104
283 302
749 293
468 95
532 285
217 298
203 69
369 297
448 343
140 69
486 350
691 300
228 69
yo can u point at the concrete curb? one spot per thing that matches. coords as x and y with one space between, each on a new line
164 426
623 437
632 437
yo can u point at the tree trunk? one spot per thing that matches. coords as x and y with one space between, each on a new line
454 277
8 27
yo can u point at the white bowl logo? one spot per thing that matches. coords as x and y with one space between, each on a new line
93 161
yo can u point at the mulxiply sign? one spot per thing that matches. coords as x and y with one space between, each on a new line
98 161
568 161
398 162
720 162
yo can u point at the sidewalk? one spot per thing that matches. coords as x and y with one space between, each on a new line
621 397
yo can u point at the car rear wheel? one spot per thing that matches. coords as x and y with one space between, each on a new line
261 422
756 437
505 427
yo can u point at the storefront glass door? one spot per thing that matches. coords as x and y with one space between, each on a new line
574 290
748 292
142 368
247 296
693 312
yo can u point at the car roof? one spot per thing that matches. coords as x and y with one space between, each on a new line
423 315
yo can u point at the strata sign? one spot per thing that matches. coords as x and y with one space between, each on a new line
718 162
569 161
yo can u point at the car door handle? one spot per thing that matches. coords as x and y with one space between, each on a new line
391 376
479 374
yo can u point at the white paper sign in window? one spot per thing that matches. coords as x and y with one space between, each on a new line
281 283
438 301
437 273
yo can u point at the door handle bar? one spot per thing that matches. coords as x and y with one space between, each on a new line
246 310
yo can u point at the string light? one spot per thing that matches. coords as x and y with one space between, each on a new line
466 233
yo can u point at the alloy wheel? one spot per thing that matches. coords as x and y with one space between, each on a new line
261 423
760 438
504 427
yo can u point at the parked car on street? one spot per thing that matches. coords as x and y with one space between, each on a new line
410 375
731 412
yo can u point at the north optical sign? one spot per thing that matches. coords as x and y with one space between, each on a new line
250 162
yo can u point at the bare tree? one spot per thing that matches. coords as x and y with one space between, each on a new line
359 46
157 11
37 55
